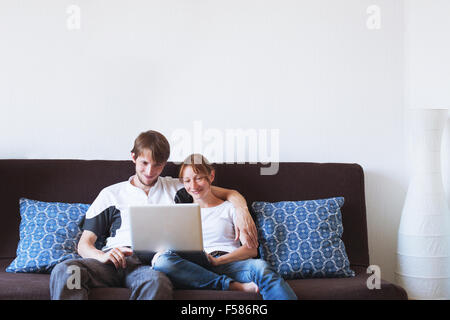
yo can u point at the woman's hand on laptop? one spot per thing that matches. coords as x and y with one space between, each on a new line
245 229
213 261
117 256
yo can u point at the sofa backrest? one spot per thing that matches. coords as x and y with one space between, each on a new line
81 181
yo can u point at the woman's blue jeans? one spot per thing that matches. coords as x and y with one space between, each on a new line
188 275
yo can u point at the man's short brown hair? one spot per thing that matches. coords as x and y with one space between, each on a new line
155 142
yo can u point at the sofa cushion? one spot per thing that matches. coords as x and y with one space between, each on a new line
48 234
22 286
354 288
302 239
33 286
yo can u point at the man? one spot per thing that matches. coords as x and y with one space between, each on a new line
105 244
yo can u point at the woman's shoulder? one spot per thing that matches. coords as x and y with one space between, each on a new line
228 209
227 205
224 208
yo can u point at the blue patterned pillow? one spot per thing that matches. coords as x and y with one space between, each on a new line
49 232
302 239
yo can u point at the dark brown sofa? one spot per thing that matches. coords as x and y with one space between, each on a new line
81 181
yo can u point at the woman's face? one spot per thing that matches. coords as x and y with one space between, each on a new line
197 185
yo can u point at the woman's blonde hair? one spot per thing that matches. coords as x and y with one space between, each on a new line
198 163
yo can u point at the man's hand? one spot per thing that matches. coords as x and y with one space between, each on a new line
245 228
116 256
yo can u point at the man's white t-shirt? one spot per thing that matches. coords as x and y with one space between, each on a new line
218 228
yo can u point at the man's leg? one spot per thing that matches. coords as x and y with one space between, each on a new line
271 285
188 275
146 283
72 279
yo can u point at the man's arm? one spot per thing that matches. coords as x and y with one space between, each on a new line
245 228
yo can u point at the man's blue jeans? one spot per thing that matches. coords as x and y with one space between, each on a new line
188 275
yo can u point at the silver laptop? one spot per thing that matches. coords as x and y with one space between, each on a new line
176 227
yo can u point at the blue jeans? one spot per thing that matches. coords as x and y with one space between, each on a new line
188 275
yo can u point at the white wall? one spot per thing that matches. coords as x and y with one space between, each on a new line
312 69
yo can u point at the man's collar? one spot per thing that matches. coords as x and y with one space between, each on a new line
131 185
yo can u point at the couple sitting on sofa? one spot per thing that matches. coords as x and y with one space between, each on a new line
105 243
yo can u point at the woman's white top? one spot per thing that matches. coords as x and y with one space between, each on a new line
218 228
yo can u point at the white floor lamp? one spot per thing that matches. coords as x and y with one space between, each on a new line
423 251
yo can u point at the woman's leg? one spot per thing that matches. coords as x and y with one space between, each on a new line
188 275
271 285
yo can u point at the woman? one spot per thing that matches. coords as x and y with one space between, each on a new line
231 265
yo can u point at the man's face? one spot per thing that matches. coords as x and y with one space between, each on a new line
147 170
